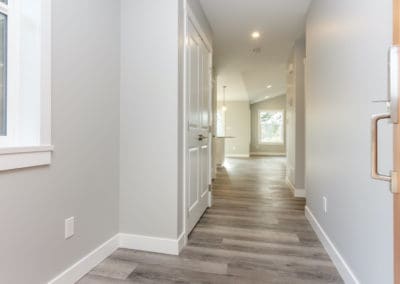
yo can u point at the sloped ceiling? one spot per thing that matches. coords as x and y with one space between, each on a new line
245 65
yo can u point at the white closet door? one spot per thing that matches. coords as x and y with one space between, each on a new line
198 145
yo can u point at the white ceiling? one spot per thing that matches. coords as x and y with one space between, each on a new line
246 73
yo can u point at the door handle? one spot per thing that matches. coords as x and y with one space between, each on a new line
374 149
202 137
394 91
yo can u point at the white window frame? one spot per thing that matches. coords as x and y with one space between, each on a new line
4 9
260 130
13 153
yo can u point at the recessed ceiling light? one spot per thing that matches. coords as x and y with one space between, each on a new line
255 34
269 86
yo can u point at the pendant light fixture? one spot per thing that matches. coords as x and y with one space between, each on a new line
224 108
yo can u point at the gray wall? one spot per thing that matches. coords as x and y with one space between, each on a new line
237 124
83 178
296 116
149 118
347 47
277 103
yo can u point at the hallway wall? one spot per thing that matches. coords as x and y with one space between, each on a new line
347 49
149 118
82 180
237 124
277 103
296 117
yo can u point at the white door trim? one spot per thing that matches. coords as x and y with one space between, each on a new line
190 16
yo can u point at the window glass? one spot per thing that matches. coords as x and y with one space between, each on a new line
3 1
3 73
271 127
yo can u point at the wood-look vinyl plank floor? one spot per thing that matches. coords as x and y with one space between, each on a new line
255 232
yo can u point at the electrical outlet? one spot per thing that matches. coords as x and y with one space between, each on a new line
69 227
325 204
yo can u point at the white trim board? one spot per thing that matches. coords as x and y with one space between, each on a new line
192 17
267 154
340 263
152 244
137 242
24 157
297 192
237 156
87 263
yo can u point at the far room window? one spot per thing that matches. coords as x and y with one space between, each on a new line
3 66
271 127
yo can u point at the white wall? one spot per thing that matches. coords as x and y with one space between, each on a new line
277 103
149 118
83 178
237 124
347 47
296 116
92 95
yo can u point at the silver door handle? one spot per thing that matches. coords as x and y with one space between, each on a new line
202 137
374 149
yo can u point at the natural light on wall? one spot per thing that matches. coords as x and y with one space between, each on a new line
270 127
25 78
220 123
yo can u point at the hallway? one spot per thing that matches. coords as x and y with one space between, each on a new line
255 232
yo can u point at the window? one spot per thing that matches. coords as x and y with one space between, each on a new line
270 127
25 83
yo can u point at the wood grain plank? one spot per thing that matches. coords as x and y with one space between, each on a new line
255 232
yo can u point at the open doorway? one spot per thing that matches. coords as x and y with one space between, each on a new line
256 206
257 229
260 96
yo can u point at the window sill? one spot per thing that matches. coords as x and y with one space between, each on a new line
12 158
271 144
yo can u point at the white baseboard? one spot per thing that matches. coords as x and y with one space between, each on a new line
297 192
341 265
137 242
152 244
182 240
267 154
87 263
237 156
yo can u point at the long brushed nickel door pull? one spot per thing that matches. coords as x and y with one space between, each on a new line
374 149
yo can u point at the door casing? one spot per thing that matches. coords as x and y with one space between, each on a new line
189 17
396 159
